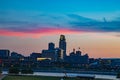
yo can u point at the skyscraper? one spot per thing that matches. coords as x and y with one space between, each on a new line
62 45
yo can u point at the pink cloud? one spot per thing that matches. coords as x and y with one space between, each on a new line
37 32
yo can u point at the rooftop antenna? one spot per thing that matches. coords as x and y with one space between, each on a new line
73 49
78 48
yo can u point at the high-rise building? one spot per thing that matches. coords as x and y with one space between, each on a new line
51 46
62 45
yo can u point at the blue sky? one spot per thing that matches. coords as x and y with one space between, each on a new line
54 13
62 6
31 18
88 8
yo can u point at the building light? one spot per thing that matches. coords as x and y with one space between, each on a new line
40 59
21 59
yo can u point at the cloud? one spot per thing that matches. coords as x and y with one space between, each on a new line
118 35
91 25
97 26
42 23
36 33
79 18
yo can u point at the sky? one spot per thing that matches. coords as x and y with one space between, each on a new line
28 26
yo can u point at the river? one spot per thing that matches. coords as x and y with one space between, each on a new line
97 76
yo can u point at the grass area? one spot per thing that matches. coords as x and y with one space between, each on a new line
10 77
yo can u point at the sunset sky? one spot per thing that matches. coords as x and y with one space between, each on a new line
28 26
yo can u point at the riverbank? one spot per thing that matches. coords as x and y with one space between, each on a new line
25 77
57 74
72 71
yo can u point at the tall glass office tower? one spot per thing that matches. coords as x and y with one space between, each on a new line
62 45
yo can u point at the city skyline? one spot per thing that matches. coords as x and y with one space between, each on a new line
83 49
28 26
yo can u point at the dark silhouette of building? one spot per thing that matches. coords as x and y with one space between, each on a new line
50 53
16 55
58 54
62 45
78 53
4 53
77 58
51 46
55 54
35 55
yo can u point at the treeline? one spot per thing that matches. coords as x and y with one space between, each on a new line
14 70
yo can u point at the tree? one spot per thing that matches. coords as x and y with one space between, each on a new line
118 75
0 70
27 71
14 70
